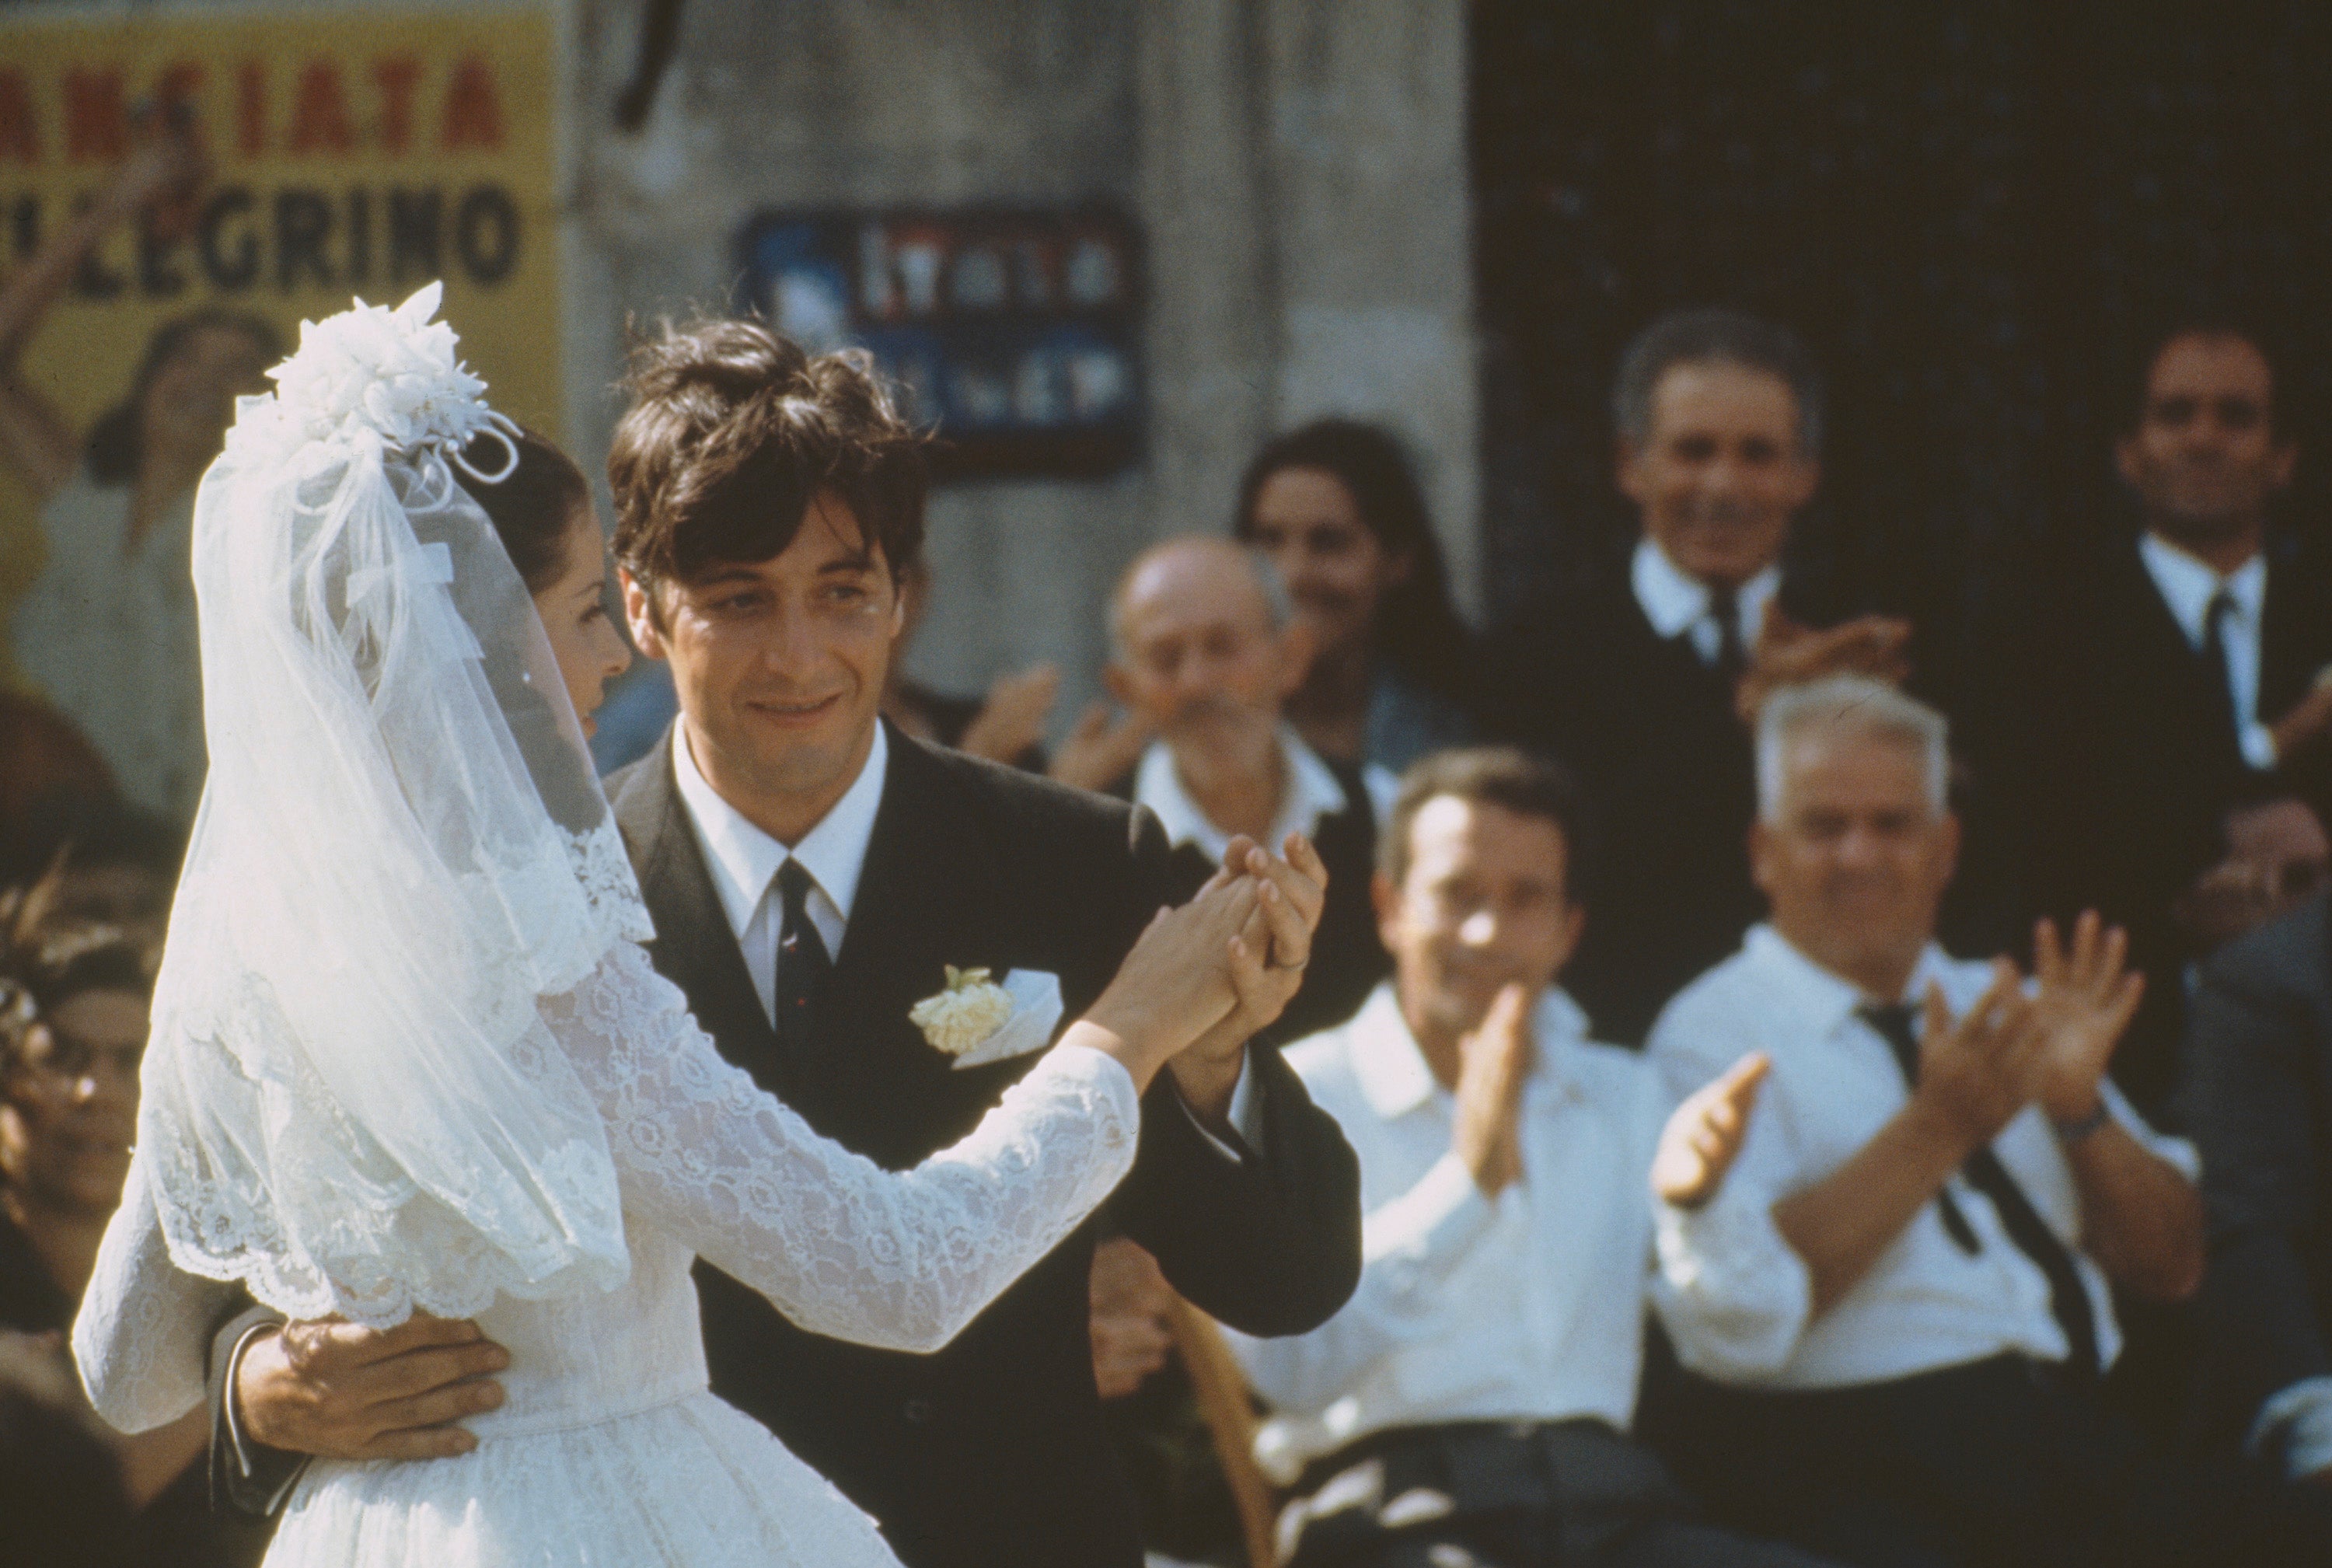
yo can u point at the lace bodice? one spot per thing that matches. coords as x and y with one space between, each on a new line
708 1165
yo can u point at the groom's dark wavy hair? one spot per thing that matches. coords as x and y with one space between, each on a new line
734 429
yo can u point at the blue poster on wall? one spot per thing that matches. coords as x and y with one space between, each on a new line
1015 331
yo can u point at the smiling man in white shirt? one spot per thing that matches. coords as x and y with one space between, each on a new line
1903 1275
1471 1403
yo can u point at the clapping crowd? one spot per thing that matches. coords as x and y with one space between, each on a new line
1797 1123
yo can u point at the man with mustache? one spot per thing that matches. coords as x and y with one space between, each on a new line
1641 676
1208 650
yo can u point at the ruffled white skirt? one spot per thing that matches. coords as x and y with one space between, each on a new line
694 1483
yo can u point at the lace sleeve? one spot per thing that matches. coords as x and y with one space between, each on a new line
144 1324
898 1260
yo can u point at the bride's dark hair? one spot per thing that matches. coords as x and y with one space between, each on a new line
533 508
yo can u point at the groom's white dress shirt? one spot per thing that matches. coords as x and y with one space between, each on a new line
1525 1306
1738 1300
1674 601
744 862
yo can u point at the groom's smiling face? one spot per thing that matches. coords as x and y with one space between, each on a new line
781 667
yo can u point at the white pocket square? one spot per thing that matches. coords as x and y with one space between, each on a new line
1035 996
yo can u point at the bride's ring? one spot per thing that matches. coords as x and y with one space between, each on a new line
1288 968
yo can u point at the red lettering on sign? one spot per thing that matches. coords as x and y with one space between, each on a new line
473 112
20 135
251 109
397 77
96 128
176 92
319 113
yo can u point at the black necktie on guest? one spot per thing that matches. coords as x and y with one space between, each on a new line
802 964
2069 1296
2215 664
1725 608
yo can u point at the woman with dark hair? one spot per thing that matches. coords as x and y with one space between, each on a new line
107 629
1338 510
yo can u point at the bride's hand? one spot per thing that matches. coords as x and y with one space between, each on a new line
1177 982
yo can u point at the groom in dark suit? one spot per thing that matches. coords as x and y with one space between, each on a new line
814 875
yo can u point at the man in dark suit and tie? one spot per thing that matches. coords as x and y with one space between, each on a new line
1638 675
814 875
2185 675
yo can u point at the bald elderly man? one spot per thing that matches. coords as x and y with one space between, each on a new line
1206 650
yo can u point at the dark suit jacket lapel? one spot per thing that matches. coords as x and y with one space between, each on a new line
929 896
693 946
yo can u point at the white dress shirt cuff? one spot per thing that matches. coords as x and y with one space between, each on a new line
2296 1426
235 1439
1432 1224
2259 746
1246 1114
1735 1294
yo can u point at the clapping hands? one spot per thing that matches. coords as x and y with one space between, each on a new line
1704 1137
2086 1000
1788 653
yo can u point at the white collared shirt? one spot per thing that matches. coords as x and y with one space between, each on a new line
1311 792
2188 586
745 861
1735 1296
1674 601
1529 1307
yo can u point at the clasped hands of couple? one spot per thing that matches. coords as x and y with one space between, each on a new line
1199 981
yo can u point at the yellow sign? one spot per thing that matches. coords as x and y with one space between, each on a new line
349 154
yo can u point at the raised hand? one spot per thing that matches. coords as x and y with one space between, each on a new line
1100 749
1266 971
1788 653
1977 1074
1704 1137
1493 1064
1013 718
346 1392
2085 1001
1176 984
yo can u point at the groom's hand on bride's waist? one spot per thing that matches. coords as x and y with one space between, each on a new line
348 1392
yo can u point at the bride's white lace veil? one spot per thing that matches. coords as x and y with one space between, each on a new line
350 1102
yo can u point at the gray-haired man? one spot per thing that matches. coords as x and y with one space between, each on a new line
1897 1263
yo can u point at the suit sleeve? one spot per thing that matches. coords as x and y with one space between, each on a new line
1269 1243
245 1476
2253 1108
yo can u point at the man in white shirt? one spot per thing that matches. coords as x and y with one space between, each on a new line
1903 1276
1208 649
1471 1403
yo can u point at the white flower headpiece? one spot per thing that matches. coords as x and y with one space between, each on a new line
374 377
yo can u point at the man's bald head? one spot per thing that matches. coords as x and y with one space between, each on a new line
1197 570
1206 643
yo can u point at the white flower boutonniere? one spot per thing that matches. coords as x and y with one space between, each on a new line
972 1008
976 1021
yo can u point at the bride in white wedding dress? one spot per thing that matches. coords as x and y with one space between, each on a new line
409 1055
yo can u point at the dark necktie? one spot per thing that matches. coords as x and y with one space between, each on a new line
2222 610
802 964
2069 1297
1724 609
